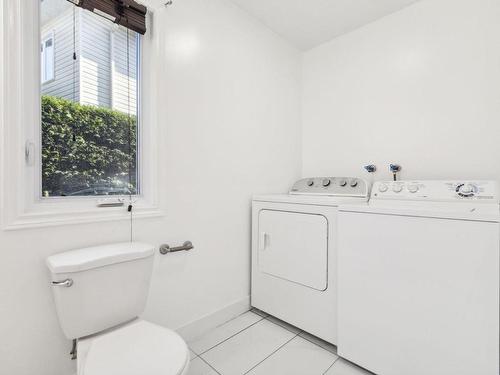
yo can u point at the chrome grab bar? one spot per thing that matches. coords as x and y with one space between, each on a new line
67 283
166 249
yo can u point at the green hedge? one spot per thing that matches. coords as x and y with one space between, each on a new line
84 147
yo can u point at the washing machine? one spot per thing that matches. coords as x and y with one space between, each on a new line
418 279
294 256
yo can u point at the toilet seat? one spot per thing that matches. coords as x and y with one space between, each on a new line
138 348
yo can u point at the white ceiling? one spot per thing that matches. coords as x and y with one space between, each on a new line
309 23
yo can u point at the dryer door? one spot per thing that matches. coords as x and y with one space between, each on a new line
294 246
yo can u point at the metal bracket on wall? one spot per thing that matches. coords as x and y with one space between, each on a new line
166 249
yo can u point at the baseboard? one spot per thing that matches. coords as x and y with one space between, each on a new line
210 321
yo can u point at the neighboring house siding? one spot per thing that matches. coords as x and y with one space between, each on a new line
120 100
65 68
95 61
101 68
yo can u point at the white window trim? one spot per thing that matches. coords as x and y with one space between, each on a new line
20 203
44 40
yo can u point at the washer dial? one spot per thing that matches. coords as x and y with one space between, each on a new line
397 188
383 188
466 190
413 188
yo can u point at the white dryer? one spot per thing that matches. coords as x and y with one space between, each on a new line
419 279
294 252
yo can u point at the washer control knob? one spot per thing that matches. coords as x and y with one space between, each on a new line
466 190
397 188
343 183
413 188
310 183
326 182
383 188
354 183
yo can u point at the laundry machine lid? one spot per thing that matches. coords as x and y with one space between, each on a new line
138 348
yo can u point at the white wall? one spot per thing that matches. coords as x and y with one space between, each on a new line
420 87
229 128
231 116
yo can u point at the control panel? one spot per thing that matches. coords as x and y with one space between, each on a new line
437 190
334 186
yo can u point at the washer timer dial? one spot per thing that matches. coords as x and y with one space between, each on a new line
466 190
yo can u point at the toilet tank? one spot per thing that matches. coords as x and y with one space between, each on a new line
97 288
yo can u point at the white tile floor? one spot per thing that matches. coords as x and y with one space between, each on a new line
257 344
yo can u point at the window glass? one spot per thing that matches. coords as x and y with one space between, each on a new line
47 60
89 97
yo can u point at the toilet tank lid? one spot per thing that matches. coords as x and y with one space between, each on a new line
98 256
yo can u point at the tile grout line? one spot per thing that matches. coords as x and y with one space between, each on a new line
315 343
300 334
236 317
296 334
302 337
305 338
222 324
328 369
230 337
209 365
272 353
193 357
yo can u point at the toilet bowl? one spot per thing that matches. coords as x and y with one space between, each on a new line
136 348
99 294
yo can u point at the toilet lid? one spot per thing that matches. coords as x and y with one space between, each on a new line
140 348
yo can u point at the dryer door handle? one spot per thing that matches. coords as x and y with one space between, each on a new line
263 240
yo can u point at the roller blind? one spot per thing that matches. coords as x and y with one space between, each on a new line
127 13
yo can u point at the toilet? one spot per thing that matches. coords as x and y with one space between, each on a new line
99 293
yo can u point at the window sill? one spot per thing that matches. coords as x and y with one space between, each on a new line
97 215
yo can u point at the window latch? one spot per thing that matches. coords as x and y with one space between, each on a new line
106 203
29 153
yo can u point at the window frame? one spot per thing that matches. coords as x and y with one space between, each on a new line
139 92
21 201
43 58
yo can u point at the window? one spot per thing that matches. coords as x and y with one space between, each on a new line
56 167
47 58
89 111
